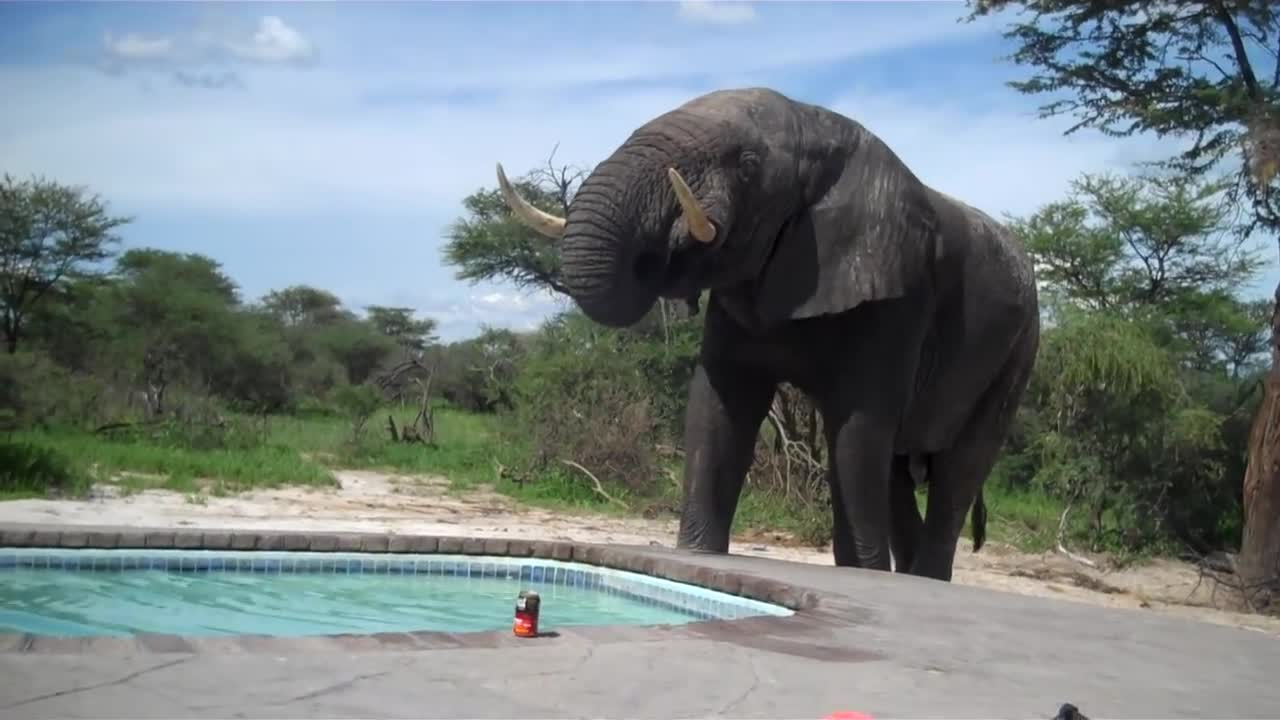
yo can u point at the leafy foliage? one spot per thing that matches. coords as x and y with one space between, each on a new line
1207 71
48 233
1131 412
491 244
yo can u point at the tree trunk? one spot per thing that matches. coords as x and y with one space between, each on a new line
11 331
1258 564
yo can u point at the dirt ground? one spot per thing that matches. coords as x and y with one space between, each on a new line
373 501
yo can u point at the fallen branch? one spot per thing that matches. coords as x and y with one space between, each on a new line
1220 571
1062 531
599 488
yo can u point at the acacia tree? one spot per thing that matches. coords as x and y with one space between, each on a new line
490 243
48 233
412 334
176 317
1207 71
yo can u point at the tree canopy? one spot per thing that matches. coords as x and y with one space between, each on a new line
1207 72
49 233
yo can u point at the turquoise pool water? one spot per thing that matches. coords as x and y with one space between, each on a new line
78 593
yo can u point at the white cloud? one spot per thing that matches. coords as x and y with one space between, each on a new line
717 13
274 41
215 156
457 319
136 47
211 155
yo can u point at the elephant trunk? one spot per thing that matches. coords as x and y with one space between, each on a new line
604 271
614 242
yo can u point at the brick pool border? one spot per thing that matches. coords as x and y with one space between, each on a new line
677 566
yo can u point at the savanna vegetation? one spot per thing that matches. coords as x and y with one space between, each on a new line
1149 427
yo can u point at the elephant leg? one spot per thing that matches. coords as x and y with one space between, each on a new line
861 457
906 524
843 549
956 475
727 404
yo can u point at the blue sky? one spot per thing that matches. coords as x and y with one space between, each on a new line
331 144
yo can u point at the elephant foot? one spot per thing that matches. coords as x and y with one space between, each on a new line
934 559
702 544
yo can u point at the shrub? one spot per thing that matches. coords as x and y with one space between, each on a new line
583 396
26 468
35 391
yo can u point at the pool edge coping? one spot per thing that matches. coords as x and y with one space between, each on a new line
673 565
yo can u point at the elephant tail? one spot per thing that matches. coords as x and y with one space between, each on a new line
978 522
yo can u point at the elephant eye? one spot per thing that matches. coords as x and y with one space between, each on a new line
748 165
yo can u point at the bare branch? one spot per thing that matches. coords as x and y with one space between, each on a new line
598 487
1061 538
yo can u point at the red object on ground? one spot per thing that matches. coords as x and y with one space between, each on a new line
527 606
847 715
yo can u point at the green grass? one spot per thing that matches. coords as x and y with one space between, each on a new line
30 469
141 464
466 446
469 449
1025 519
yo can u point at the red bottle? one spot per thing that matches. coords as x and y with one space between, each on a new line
527 605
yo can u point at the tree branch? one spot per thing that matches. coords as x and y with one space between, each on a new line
1241 54
598 486
1061 537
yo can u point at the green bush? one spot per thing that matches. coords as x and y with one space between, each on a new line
37 392
582 396
30 469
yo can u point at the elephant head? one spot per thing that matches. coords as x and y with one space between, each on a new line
800 208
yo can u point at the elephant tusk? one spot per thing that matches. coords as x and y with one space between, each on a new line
542 222
700 226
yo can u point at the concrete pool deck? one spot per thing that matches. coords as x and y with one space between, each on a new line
888 645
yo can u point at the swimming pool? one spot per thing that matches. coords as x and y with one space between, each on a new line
95 592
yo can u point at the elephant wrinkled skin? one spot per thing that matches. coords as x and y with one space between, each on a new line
910 318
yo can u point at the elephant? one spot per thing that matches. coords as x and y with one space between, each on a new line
909 318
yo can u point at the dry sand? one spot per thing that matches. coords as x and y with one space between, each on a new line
381 502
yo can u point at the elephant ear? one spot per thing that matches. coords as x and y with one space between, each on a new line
871 235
